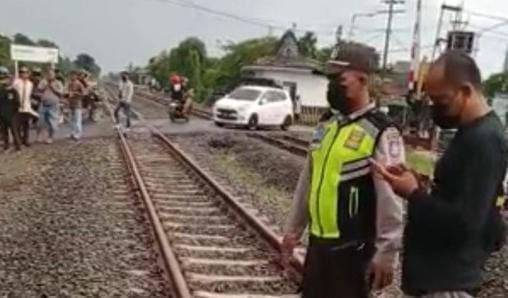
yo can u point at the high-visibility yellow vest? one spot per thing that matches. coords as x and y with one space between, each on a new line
342 202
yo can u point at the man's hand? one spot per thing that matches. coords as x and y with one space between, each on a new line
289 243
402 181
379 276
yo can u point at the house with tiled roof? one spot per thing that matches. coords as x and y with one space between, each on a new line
296 73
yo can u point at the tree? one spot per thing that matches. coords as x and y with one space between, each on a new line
47 43
5 56
308 45
189 59
65 65
324 54
496 83
239 55
87 62
22 39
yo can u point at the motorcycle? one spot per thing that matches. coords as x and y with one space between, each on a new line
176 111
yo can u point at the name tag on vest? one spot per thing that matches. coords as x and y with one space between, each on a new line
355 139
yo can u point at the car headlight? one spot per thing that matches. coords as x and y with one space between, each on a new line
242 109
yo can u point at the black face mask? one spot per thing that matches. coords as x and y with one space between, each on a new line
336 96
442 118
124 79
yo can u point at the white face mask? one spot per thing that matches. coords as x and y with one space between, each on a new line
177 87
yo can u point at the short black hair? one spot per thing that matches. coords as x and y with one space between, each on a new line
460 68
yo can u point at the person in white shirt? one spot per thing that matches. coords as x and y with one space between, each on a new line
24 86
126 92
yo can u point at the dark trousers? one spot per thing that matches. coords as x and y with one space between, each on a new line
335 272
11 126
126 110
24 127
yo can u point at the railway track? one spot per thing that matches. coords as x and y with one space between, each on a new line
286 142
211 245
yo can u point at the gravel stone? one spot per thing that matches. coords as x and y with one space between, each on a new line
69 226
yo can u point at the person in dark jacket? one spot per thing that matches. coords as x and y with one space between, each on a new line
454 227
9 110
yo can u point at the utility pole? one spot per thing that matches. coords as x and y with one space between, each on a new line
415 48
456 24
391 4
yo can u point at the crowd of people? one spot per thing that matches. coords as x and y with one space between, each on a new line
33 100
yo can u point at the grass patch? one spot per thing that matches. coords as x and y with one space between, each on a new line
420 161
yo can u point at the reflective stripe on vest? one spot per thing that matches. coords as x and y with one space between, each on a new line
342 155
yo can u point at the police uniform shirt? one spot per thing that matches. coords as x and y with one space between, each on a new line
389 214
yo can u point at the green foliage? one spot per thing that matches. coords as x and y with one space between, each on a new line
22 39
65 65
87 62
324 54
5 55
308 45
47 43
496 83
240 55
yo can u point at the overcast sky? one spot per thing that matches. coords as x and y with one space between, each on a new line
117 32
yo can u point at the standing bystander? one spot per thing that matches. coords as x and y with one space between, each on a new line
36 78
75 94
125 94
24 87
9 109
51 92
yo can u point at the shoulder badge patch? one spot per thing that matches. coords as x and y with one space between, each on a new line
394 148
355 139
317 137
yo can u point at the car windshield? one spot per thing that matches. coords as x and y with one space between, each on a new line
245 94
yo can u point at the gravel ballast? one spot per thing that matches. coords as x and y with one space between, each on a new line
70 226
256 173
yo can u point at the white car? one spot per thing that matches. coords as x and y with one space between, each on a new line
255 106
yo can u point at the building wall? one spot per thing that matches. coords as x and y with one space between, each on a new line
311 88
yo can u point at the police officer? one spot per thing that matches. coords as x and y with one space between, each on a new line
9 106
354 217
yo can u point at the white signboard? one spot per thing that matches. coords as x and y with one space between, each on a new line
34 54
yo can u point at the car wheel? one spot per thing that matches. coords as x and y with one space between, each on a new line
287 123
253 122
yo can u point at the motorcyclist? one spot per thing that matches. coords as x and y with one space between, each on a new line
178 91
177 88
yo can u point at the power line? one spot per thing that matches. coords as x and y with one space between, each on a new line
499 33
487 16
189 4
403 50
225 14
493 27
